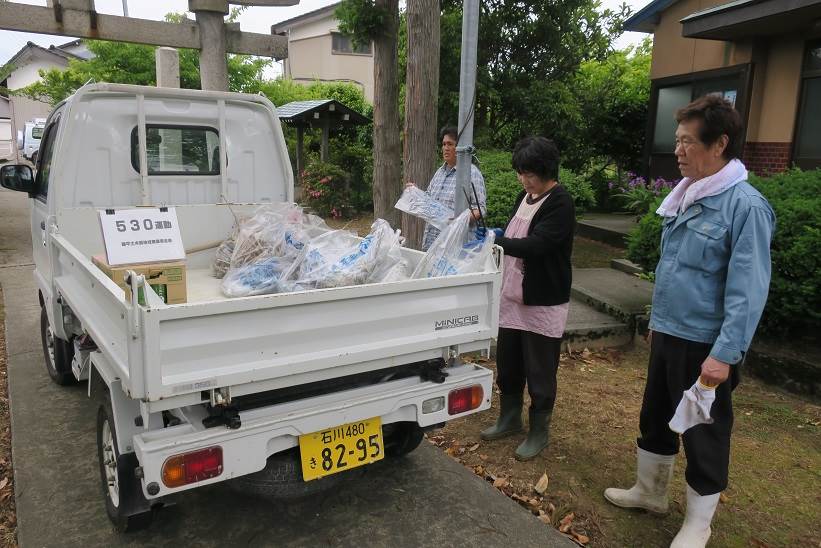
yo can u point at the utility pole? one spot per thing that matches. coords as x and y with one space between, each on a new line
125 8
467 102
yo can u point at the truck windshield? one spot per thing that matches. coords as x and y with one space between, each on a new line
37 132
176 150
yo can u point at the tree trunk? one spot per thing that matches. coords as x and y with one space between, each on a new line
387 182
421 99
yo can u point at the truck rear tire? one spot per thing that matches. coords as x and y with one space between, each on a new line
58 353
125 504
401 438
281 479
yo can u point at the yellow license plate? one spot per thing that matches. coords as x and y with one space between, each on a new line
341 448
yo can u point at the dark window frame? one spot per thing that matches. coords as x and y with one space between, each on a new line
353 51
806 74
135 152
45 154
743 71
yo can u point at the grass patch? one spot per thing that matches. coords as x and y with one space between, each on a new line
592 254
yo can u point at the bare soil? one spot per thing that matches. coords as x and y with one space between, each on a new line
774 496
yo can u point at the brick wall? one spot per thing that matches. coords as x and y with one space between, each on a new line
766 158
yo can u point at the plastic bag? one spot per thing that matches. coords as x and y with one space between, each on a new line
415 201
257 279
338 258
454 252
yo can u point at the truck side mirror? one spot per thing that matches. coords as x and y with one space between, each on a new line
17 177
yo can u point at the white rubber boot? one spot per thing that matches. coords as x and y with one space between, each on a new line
653 474
695 531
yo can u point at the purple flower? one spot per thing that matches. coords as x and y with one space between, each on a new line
610 185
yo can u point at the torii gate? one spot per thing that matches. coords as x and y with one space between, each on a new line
209 34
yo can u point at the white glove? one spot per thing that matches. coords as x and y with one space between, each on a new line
694 408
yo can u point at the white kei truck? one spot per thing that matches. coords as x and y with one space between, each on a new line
277 393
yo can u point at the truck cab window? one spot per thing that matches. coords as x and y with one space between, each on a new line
177 150
44 161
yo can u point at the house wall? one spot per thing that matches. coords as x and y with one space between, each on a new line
774 107
27 73
673 54
310 58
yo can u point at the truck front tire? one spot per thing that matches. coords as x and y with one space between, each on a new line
58 353
125 504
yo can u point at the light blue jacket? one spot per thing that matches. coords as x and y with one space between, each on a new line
714 273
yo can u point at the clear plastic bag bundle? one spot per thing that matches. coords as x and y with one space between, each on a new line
415 201
258 278
338 258
455 252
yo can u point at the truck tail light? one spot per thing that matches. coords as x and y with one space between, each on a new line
465 399
186 468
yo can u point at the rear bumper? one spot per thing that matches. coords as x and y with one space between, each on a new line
275 428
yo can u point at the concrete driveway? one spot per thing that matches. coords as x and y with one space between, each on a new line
426 499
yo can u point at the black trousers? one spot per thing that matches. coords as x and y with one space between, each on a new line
523 356
675 365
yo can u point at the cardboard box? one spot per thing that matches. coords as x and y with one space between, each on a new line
166 279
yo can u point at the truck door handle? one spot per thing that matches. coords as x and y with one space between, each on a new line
43 225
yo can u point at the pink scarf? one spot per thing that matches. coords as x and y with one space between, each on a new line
688 191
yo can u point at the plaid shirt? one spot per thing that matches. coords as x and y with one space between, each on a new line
442 188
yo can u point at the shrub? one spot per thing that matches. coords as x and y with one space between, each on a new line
503 187
326 190
794 302
639 194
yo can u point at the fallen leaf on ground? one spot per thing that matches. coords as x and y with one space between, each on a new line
580 538
500 483
483 457
451 451
567 521
541 485
724 499
473 447
4 482
544 517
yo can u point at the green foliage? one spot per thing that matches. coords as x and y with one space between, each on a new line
503 187
362 20
528 54
794 303
351 148
643 243
326 190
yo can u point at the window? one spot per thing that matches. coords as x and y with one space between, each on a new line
343 44
807 153
44 161
670 100
177 150
37 132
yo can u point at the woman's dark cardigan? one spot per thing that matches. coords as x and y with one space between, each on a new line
546 250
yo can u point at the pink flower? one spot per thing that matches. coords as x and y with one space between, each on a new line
325 180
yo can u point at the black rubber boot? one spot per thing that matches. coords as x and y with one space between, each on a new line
537 437
509 421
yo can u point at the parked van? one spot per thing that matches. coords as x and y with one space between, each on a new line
31 138
8 149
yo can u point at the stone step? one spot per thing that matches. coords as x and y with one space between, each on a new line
610 228
616 293
591 329
626 265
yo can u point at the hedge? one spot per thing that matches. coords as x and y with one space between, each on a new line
794 302
503 187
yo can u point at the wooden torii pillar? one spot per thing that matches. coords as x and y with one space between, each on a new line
209 34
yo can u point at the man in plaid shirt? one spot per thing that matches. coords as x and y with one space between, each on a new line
442 187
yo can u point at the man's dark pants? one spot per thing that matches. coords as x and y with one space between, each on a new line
675 365
524 356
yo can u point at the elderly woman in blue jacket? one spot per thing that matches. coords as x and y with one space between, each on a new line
711 286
